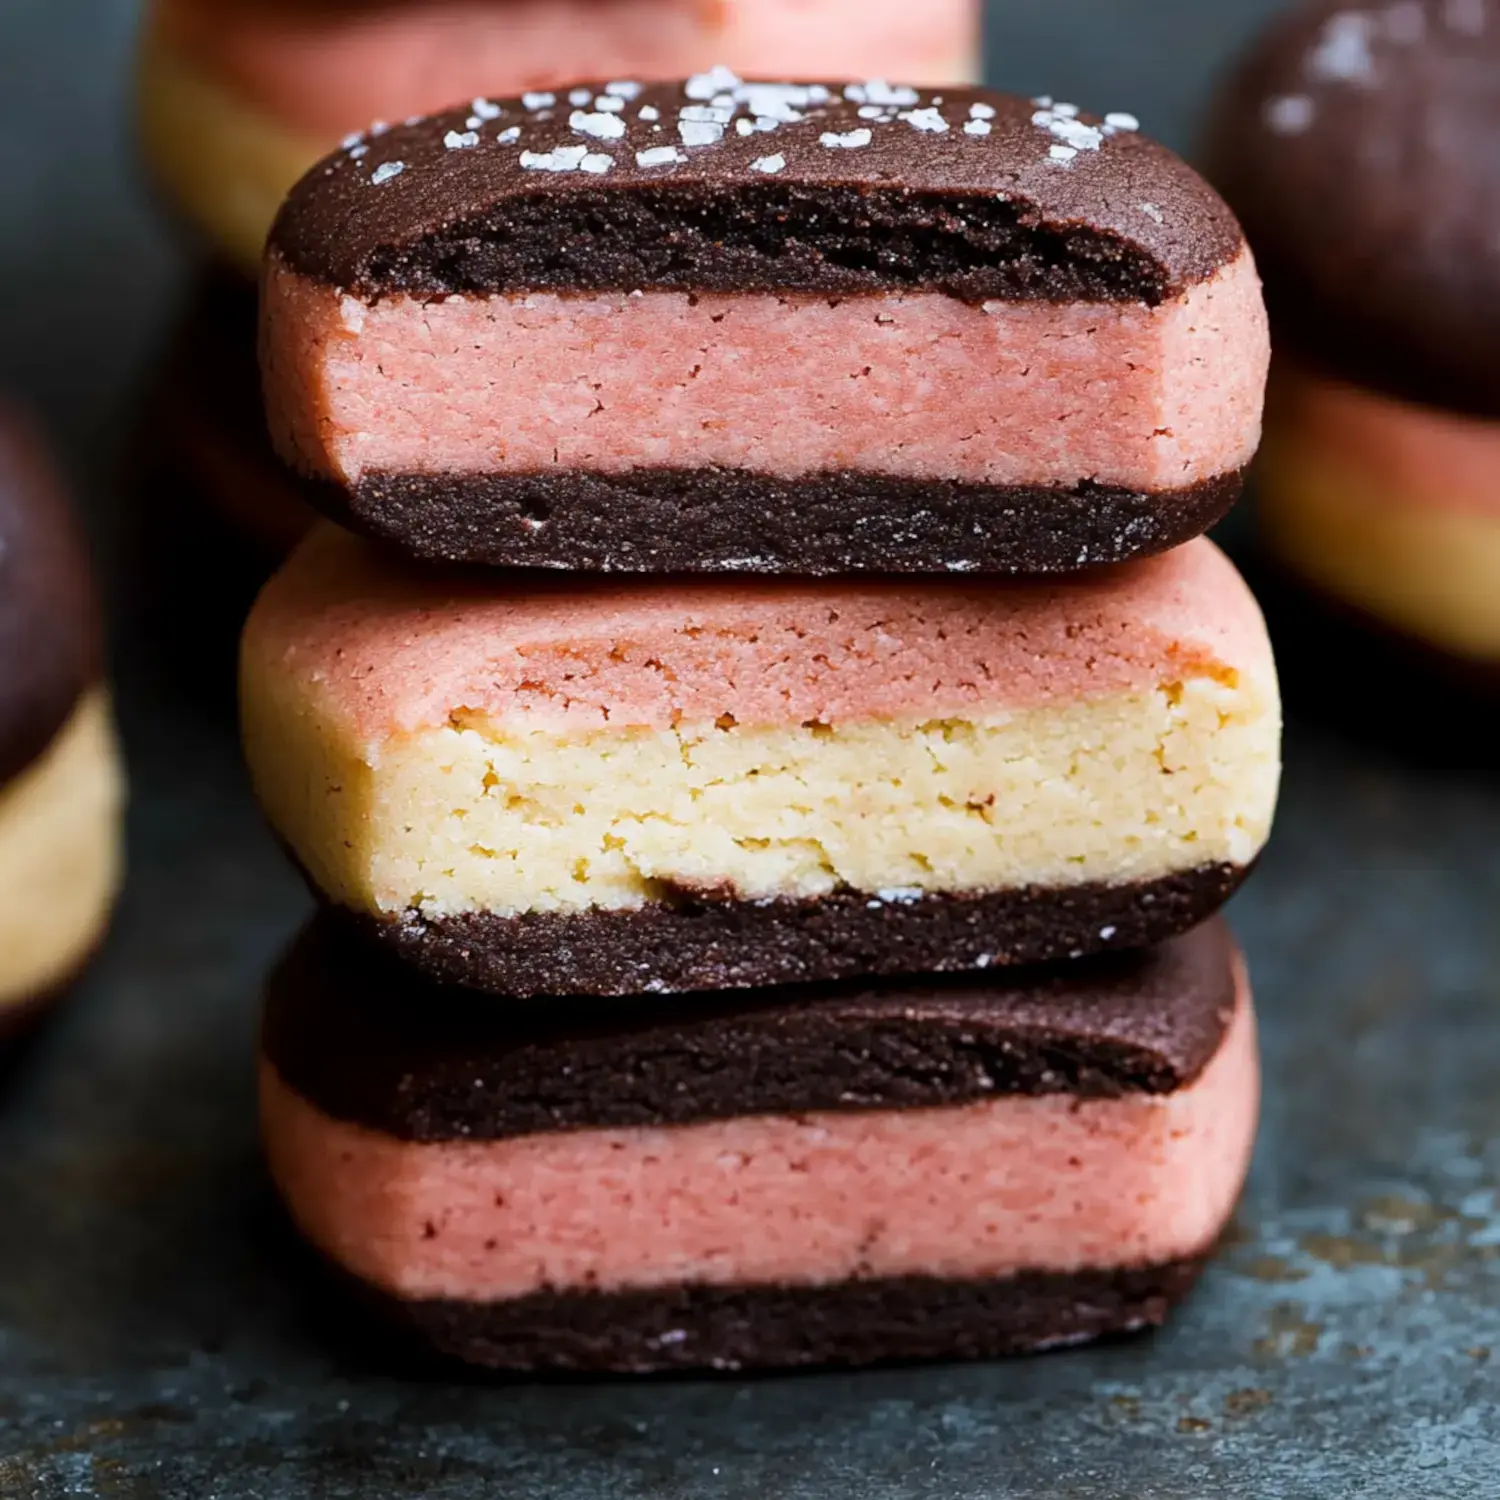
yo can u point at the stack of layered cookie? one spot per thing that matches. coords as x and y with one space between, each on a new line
773 752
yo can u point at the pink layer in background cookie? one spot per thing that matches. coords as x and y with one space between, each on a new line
1417 455
983 1190
392 650
918 385
334 68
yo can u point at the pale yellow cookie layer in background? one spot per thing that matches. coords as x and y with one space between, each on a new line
60 853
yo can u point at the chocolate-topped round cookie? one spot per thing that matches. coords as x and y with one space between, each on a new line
59 768
1360 147
733 326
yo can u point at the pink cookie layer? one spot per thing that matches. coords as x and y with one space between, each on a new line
330 69
972 1191
917 385
387 649
1417 456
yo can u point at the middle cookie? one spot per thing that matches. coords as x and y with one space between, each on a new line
722 326
531 788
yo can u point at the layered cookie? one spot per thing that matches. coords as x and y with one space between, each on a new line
240 97
531 789
60 780
731 326
1380 129
827 1176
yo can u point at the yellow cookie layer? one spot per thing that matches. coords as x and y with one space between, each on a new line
223 163
1431 573
60 855
481 816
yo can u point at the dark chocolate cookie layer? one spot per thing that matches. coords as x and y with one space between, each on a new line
732 520
365 1042
1361 149
718 185
850 1323
695 943
51 646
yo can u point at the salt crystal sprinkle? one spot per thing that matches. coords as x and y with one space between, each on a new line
538 101
579 97
658 156
849 140
1291 114
623 88
356 152
1119 120
981 111
485 109
596 162
976 127
560 159
699 132
649 112
456 142
1343 51
717 80
924 119
1062 153
768 163
387 170
743 126
609 104
1151 211
602 127
350 141
509 134
878 91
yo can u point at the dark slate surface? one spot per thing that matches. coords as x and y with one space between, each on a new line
156 1339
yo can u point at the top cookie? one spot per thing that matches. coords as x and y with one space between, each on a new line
805 328
1361 146
717 185
50 636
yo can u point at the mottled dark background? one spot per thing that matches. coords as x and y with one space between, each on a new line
154 1337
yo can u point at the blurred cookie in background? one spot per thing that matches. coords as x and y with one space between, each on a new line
61 783
1361 149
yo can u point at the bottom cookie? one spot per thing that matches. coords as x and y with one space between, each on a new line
829 1175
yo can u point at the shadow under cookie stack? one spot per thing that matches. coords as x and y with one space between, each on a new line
772 741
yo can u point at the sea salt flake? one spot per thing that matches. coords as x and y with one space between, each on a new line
1120 120
538 101
1067 111
981 111
744 127
387 170
352 140
486 109
1151 211
509 134
596 162
878 91
850 140
579 96
1342 54
658 156
559 159
1106 933
717 80
928 120
378 127
609 104
1291 114
601 126
456 142
778 101
623 88
649 112
1043 101
355 152
765 124
768 163
713 114
976 127
1062 153
699 132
